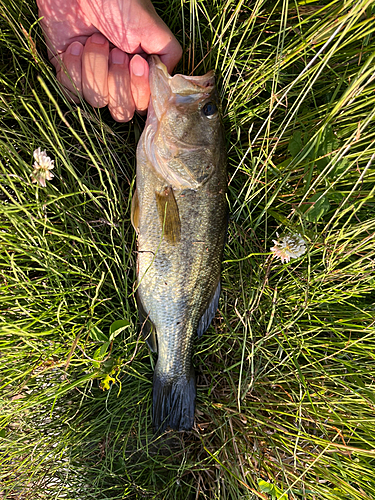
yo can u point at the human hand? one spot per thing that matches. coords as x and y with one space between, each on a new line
78 33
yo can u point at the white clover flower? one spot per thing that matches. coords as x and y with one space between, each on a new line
42 168
289 247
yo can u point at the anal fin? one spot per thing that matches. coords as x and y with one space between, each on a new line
148 328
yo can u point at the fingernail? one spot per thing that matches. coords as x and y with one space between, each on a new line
118 56
75 49
98 39
138 67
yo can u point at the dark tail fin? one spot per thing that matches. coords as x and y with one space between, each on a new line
173 402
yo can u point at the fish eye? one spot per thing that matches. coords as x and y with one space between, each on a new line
209 109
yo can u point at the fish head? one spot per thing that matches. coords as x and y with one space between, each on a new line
186 140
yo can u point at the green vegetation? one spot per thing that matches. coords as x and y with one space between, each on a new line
286 396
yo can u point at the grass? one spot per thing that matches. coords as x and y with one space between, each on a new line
286 397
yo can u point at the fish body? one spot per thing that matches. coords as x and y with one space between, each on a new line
180 215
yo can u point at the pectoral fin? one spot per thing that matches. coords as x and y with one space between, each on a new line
210 312
134 211
168 214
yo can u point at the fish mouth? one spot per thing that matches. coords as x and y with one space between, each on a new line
182 85
180 88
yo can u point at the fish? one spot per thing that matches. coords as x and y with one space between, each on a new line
179 211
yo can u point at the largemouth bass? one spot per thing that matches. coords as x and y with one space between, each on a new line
179 211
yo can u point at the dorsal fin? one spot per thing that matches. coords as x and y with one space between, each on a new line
168 215
209 313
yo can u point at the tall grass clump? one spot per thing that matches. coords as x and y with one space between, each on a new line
285 406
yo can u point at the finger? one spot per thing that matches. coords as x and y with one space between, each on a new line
140 87
71 75
95 70
67 93
158 39
120 99
171 54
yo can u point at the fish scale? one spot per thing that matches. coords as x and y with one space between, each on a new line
180 215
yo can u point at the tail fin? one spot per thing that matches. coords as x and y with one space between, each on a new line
173 402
